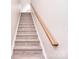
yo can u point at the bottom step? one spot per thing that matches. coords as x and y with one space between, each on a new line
27 52
28 56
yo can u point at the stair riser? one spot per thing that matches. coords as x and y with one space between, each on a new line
26 37
28 43
27 49
24 18
26 33
26 29
26 21
28 52
26 26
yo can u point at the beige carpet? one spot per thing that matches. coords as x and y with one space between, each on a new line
27 44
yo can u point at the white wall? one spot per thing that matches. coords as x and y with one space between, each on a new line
54 14
15 13
24 4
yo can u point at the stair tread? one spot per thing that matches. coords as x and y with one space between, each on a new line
26 23
25 26
30 52
27 48
26 40
26 36
26 20
27 43
26 33
29 28
28 56
26 29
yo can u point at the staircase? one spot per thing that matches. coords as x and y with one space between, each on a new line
27 44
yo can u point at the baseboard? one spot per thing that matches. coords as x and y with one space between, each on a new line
44 53
13 43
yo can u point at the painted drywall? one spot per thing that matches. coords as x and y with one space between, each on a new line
15 13
54 15
24 5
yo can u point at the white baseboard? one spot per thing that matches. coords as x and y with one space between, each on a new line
13 43
44 53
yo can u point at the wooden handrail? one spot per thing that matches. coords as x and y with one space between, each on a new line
51 39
